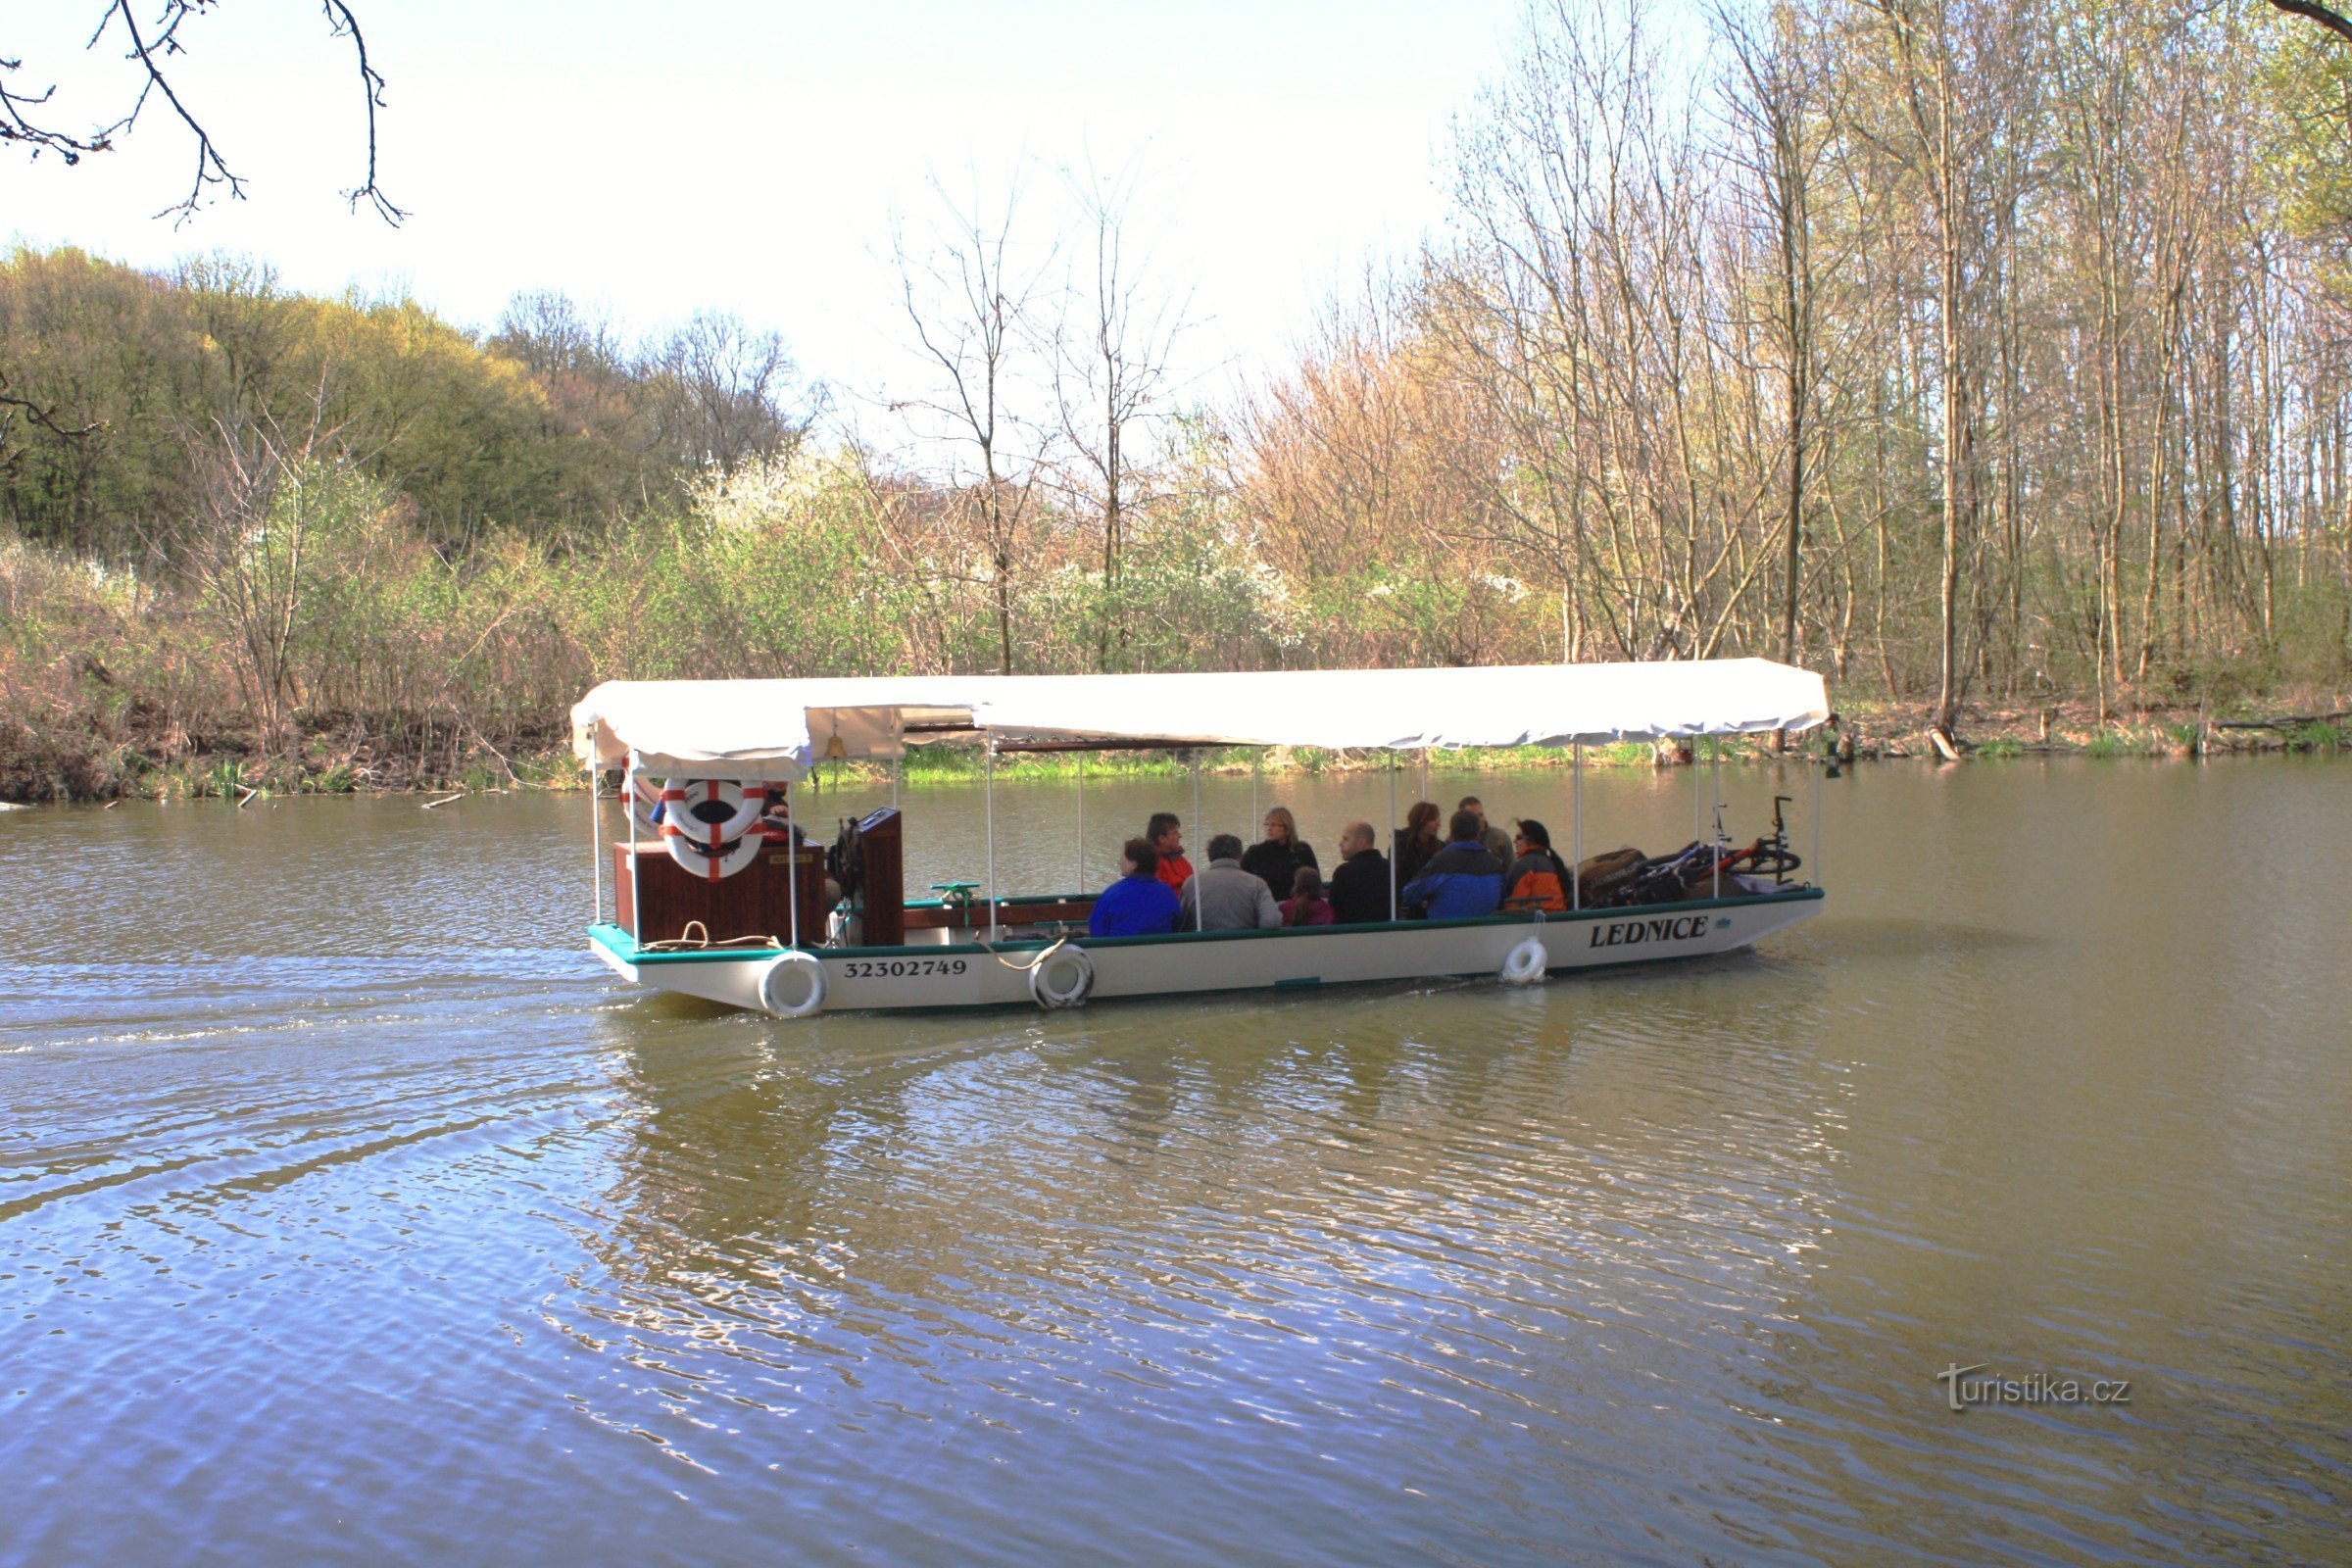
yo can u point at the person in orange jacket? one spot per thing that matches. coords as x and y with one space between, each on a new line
1538 879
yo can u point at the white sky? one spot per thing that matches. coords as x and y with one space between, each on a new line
747 157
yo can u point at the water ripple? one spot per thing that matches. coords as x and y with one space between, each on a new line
320 1247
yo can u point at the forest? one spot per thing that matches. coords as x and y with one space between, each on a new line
1993 358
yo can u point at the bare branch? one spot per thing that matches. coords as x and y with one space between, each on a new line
211 167
2334 22
26 115
371 93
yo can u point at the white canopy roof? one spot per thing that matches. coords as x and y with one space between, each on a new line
778 729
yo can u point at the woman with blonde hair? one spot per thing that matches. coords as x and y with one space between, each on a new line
1276 859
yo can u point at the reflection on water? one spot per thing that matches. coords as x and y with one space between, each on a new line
349 1212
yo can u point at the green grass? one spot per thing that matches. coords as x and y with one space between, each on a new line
934 764
335 780
2318 735
223 780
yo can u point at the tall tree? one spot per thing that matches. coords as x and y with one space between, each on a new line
971 295
1111 350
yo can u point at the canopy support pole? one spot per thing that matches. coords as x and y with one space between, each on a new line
595 841
989 753
1196 870
1819 769
1396 848
636 782
1080 885
1251 825
1576 815
898 765
791 862
1716 852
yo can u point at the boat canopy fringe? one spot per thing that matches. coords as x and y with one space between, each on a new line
778 730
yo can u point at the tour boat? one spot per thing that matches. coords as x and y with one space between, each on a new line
710 896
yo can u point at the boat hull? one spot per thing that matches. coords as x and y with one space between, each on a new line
968 974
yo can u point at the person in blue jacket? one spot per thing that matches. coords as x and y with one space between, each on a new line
1138 903
1461 880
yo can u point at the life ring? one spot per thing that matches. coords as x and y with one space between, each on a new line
793 986
683 801
713 863
1525 964
1077 978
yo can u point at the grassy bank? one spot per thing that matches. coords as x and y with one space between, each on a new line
352 756
314 641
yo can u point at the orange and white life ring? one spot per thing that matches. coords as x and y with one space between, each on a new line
692 807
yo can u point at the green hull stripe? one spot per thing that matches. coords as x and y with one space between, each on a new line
619 943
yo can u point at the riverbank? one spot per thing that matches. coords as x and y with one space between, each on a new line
350 754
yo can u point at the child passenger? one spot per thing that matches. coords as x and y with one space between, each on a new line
1307 905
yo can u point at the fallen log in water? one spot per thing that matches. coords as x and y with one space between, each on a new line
2284 723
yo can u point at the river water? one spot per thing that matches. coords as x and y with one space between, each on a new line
350 1213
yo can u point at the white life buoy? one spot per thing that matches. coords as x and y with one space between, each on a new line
793 986
687 807
1525 964
711 864
1061 978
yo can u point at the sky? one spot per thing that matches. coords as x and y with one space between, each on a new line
657 160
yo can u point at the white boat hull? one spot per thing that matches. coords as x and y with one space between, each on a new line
971 975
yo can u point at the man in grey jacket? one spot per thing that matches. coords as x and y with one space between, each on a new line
1222 897
1496 840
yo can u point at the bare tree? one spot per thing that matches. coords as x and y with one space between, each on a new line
970 296
1112 353
1939 63
265 493
1775 112
728 386
34 120
549 334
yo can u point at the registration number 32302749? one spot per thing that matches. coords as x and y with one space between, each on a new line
892 968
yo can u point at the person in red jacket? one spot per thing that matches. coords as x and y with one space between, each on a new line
1165 834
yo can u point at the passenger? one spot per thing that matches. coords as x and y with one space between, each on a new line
1417 840
1307 905
1166 837
1226 898
1496 840
1461 880
775 818
1359 883
1137 904
1281 857
1538 879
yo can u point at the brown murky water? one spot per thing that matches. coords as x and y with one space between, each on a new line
350 1213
